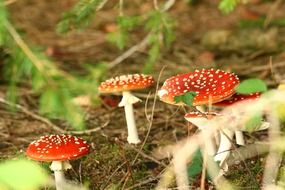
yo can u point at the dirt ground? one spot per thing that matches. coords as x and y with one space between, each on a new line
205 38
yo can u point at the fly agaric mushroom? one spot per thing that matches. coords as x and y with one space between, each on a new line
200 119
124 84
238 98
210 86
58 149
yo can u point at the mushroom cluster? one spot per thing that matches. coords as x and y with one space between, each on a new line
212 87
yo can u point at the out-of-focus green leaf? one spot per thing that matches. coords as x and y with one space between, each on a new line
128 22
186 98
79 16
21 175
119 38
259 23
251 86
50 103
227 6
196 165
153 55
253 122
3 19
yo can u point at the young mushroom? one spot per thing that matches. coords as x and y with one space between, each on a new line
58 149
200 119
125 84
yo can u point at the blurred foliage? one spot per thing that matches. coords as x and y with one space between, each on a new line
259 23
27 175
80 15
121 35
253 122
227 6
251 86
196 165
55 87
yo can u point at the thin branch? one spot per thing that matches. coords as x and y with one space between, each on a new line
130 51
140 45
88 131
271 12
9 2
33 115
151 117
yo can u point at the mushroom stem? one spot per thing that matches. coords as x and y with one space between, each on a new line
58 168
210 145
127 101
225 145
239 138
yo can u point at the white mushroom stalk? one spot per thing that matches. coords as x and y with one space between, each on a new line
224 149
58 167
239 137
127 102
124 84
201 121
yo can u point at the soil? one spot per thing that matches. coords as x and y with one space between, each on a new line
205 38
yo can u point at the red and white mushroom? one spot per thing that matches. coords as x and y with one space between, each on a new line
125 84
200 120
210 85
58 149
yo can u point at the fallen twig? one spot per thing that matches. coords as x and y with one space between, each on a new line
88 131
33 115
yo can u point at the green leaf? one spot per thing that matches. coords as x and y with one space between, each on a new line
128 22
153 55
253 122
196 165
21 175
227 6
3 19
80 16
186 98
118 38
51 103
251 86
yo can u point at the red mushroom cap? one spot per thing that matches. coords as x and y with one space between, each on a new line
196 114
126 83
57 148
237 98
209 85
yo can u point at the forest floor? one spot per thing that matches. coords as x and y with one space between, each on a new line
205 38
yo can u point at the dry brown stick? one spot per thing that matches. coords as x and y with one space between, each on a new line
274 158
271 13
130 51
9 2
146 156
88 131
151 117
33 115
114 172
203 177
150 179
249 69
